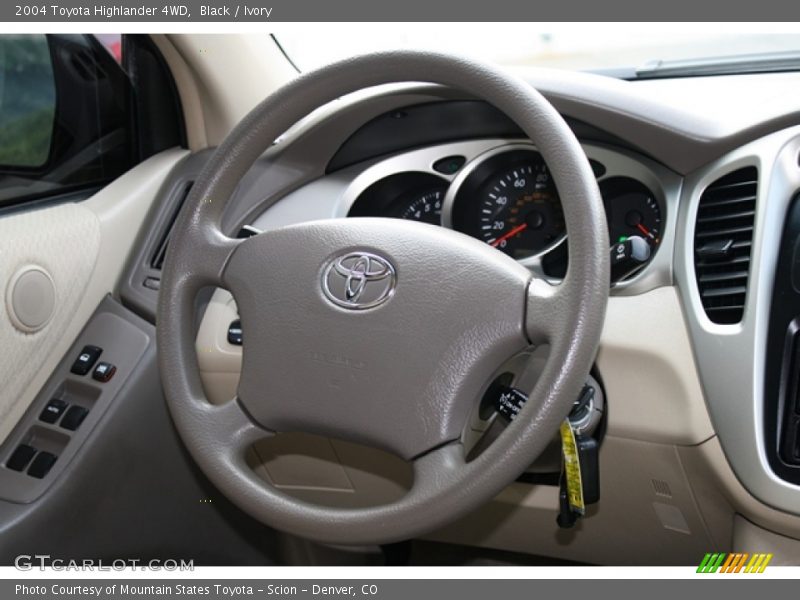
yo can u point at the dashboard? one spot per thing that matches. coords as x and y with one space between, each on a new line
686 391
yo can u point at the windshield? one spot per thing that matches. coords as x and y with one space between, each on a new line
587 46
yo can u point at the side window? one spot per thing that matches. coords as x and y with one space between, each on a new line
66 122
27 101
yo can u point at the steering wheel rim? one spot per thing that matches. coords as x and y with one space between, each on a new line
569 317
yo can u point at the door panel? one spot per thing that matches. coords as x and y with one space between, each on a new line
63 242
83 246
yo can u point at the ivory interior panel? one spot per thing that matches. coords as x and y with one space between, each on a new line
84 247
64 241
648 370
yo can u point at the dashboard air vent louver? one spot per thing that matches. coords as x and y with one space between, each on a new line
722 243
157 261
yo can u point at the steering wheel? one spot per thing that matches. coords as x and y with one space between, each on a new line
414 317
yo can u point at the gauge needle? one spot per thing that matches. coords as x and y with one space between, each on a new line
510 234
644 230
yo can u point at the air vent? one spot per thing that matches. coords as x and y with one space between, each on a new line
661 488
722 242
157 261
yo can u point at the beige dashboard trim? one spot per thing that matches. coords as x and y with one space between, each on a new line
647 367
225 76
187 91
719 492
752 538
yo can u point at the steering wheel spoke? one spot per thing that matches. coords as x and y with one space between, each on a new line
205 264
230 422
544 312
438 467
225 426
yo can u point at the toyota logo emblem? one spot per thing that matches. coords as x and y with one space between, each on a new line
359 280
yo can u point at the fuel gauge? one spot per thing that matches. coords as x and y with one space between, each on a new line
631 210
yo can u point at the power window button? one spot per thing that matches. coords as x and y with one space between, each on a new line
42 464
86 359
103 372
21 457
74 417
53 411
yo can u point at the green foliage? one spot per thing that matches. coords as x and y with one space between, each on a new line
25 141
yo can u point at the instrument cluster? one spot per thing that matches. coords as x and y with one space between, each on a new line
507 198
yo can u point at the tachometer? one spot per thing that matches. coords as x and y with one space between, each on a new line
509 201
408 195
424 206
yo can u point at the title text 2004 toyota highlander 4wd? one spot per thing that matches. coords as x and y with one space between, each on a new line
377 320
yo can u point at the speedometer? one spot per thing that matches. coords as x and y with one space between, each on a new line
520 212
508 200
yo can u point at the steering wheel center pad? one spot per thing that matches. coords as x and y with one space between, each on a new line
402 375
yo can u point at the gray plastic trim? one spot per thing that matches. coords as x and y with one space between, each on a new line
123 345
731 358
683 123
132 290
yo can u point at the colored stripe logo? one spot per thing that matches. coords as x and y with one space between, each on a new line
737 562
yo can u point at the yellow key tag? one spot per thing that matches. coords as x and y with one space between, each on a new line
572 468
